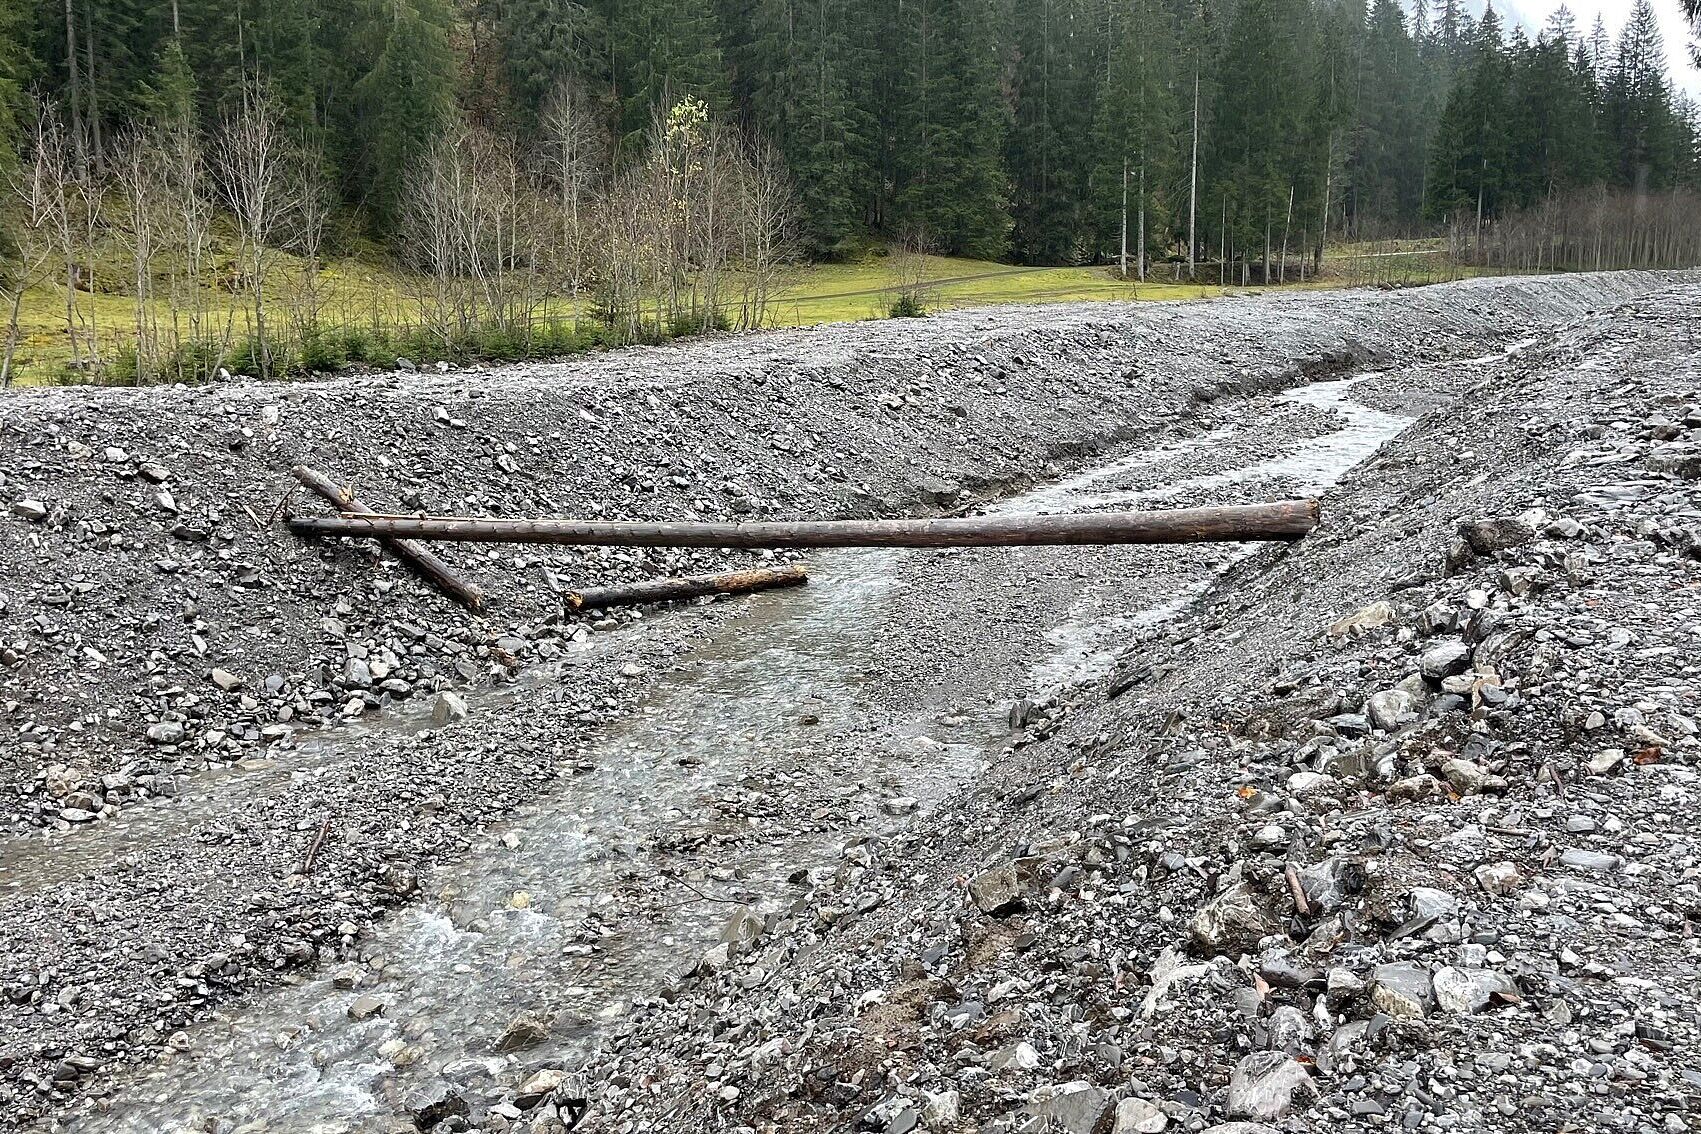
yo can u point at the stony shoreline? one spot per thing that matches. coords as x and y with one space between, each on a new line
141 579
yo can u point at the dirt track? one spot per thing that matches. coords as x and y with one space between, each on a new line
184 894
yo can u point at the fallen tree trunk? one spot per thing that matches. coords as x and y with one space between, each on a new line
422 559
691 586
1282 520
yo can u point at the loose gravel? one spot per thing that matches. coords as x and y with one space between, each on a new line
199 705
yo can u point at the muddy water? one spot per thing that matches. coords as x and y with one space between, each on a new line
541 918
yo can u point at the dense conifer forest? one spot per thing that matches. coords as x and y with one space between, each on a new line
1244 133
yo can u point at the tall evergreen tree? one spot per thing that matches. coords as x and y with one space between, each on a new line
1049 152
664 51
1136 137
950 124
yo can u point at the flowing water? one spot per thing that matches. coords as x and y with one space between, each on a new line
540 920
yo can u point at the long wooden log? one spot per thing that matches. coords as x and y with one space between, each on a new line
1282 520
417 556
688 587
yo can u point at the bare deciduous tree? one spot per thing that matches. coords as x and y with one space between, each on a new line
251 160
30 211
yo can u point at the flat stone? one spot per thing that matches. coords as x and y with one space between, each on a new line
365 1007
1402 988
1137 1116
526 1030
1500 878
1470 990
1444 659
1263 1085
1232 922
32 510
225 679
1076 1108
1595 862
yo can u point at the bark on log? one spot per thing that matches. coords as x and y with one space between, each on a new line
1281 520
422 559
691 586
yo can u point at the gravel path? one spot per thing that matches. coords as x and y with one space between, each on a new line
199 703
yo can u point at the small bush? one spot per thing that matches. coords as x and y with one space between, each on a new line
908 305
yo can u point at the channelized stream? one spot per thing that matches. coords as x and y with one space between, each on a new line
539 919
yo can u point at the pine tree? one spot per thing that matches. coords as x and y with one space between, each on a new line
17 68
795 71
664 51
1135 137
1468 162
403 98
1047 152
1387 174
1257 137
545 45
1638 104
950 124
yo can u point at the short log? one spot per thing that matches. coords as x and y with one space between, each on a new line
688 587
422 559
1280 520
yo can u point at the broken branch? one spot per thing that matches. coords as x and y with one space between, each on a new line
420 558
691 586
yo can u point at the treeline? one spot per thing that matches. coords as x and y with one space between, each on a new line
1047 131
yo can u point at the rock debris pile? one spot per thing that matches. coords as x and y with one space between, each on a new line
1391 829
1402 831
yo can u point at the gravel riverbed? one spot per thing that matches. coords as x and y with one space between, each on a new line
1075 839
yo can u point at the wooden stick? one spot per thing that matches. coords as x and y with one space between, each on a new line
1282 520
691 586
420 558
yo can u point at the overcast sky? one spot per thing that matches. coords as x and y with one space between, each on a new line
1534 13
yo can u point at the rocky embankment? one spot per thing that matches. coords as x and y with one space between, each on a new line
1399 832
157 627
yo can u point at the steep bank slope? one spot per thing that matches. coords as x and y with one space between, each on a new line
141 572
1398 829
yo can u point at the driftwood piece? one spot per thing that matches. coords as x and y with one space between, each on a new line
422 559
691 586
1281 520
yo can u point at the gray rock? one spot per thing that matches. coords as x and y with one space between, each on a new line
365 1007
1076 1108
1486 537
1391 709
32 510
1469 778
167 732
1263 1085
742 931
525 1030
1330 883
995 889
1499 878
1470 990
1594 862
1137 1116
448 708
1444 659
225 679
1232 922
1402 988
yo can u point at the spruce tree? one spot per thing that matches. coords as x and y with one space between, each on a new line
664 51
1048 151
950 124
1136 183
